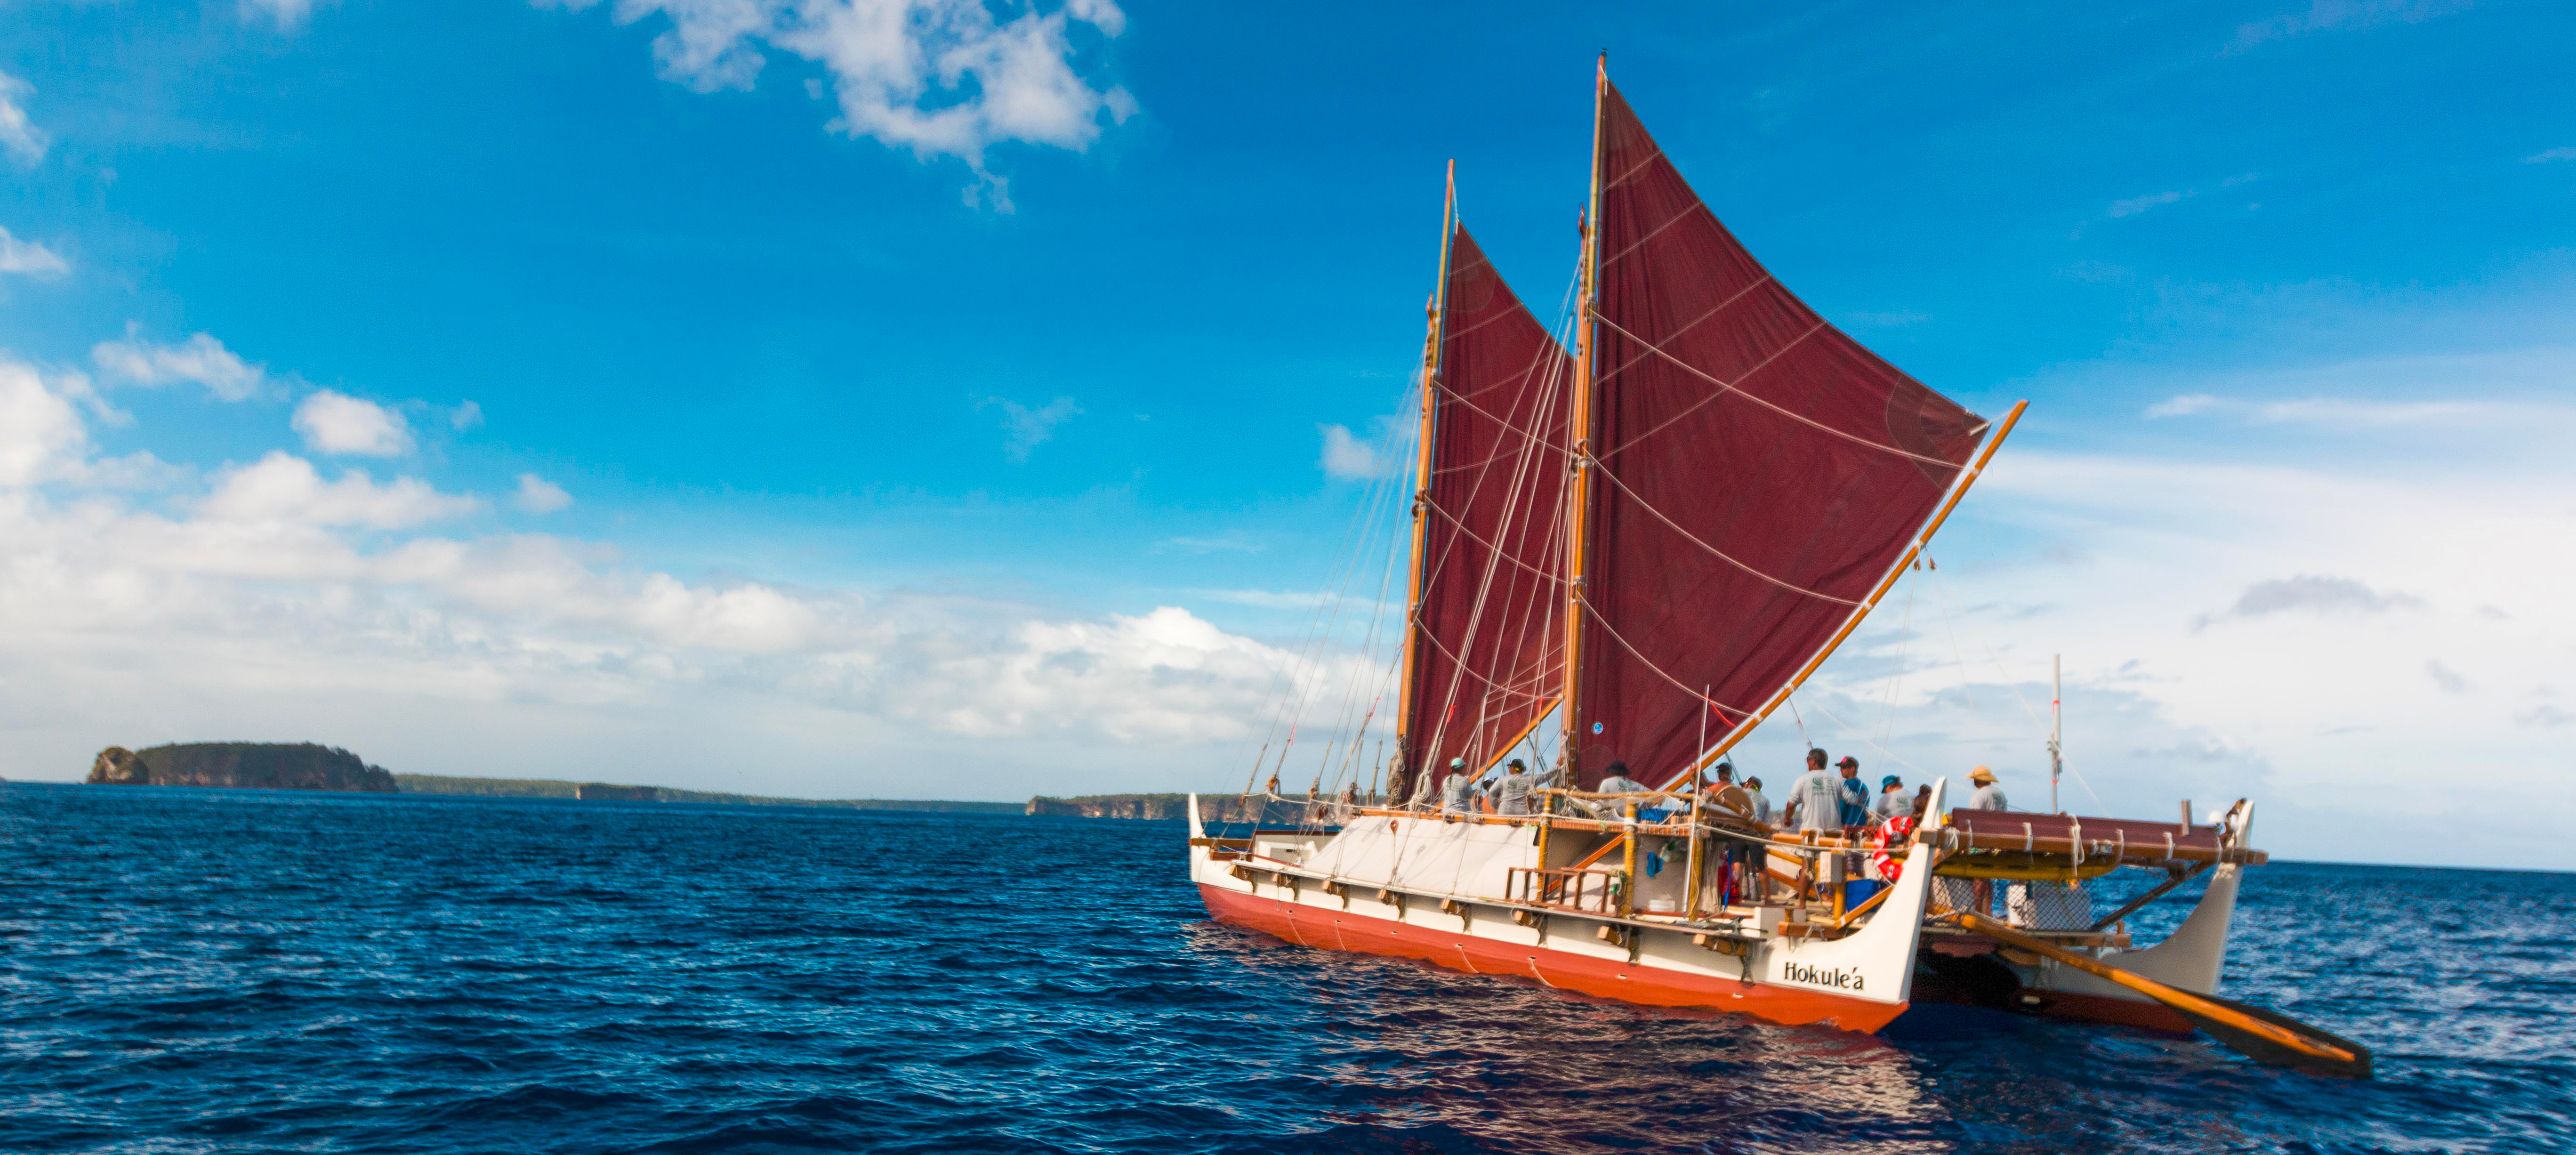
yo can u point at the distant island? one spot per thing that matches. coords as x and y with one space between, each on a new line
310 766
250 765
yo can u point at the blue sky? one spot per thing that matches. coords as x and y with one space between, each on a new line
1064 359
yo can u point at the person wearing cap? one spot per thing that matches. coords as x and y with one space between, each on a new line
1892 801
1761 805
1512 794
1725 794
1988 796
1614 780
1458 790
1854 794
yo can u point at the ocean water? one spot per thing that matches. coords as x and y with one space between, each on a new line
197 970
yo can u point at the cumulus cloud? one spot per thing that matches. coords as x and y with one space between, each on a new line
1024 428
538 495
30 258
41 434
339 604
938 77
2308 593
19 136
282 487
200 359
334 422
1350 457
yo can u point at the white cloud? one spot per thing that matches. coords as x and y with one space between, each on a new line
19 136
1024 429
2135 205
30 258
2451 681
284 488
1231 541
1270 599
938 77
41 435
538 495
465 416
334 422
200 359
281 600
1350 457
2547 155
2183 406
288 14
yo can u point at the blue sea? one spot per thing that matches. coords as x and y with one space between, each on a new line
205 970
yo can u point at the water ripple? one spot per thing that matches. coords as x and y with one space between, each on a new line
186 970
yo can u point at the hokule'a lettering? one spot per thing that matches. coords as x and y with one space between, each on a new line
1837 978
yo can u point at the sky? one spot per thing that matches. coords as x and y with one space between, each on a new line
842 398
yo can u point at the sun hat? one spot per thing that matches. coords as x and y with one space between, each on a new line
1981 774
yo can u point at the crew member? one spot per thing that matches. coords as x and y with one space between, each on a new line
1892 802
1815 803
1458 790
1854 797
1988 796
1761 805
1512 794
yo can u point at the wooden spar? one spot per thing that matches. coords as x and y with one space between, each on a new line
1870 603
2263 1035
1526 731
1578 496
1431 354
2135 904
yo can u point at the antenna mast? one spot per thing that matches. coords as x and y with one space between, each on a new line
2056 725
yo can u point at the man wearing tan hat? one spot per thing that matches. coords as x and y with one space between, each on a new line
1988 796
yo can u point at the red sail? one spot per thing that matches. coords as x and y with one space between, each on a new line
1487 654
1757 473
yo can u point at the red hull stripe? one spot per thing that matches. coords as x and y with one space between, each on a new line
1602 978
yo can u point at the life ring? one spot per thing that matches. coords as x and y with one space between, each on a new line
1886 837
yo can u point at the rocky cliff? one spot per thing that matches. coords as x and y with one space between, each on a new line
241 765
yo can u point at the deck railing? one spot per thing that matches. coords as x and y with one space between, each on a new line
1588 891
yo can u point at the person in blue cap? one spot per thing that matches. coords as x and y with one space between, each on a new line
1892 801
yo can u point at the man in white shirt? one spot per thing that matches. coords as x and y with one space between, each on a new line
1988 796
1816 798
1615 780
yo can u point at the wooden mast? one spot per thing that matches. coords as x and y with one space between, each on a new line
1578 495
1431 354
